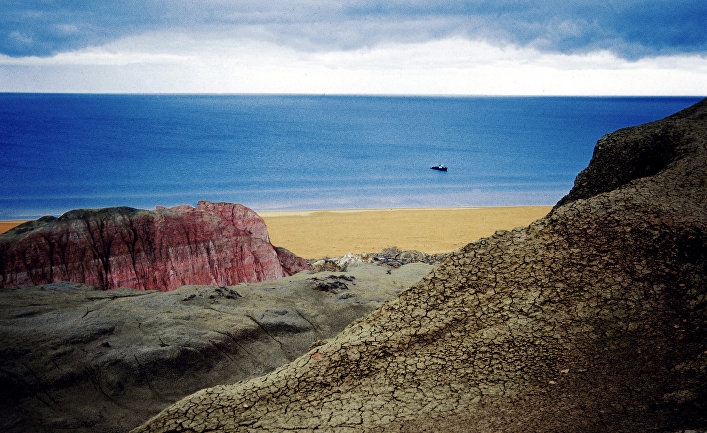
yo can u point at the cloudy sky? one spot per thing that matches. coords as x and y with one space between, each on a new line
498 47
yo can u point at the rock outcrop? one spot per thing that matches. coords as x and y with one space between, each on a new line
79 359
390 257
214 243
590 319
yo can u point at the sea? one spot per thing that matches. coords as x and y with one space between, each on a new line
299 152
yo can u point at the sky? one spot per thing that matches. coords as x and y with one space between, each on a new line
501 47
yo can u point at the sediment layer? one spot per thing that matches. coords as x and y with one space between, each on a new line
214 243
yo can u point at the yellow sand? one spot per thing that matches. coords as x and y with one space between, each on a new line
317 234
7 225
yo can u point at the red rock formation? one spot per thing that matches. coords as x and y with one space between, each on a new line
214 243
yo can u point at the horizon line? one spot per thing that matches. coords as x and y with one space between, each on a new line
386 95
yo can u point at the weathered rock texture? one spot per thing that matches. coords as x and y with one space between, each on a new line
590 319
214 243
390 257
74 358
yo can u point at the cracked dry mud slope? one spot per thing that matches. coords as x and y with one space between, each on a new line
590 319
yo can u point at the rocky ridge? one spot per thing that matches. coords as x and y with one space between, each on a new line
590 319
391 257
76 358
214 243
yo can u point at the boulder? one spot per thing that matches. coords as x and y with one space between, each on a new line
591 319
214 243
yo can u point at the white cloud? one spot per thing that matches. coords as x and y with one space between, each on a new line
20 38
172 62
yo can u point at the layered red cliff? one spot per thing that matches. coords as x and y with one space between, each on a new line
214 243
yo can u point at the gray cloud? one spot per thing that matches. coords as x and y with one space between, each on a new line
631 29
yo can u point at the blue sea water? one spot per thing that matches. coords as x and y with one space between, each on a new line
270 152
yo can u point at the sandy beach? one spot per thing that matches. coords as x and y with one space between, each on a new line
7 225
329 233
317 234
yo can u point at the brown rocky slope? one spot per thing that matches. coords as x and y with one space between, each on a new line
214 243
590 319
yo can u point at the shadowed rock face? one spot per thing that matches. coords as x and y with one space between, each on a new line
590 319
640 151
79 359
214 243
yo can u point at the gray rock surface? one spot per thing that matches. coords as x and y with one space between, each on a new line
591 319
74 358
391 257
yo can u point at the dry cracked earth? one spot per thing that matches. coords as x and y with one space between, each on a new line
83 360
590 319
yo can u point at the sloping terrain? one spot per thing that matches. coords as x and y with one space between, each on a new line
590 319
76 358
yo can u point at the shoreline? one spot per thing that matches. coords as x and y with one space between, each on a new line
315 234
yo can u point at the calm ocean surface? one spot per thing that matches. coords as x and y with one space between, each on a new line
61 152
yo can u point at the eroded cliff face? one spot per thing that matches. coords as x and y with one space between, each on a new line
214 243
590 319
